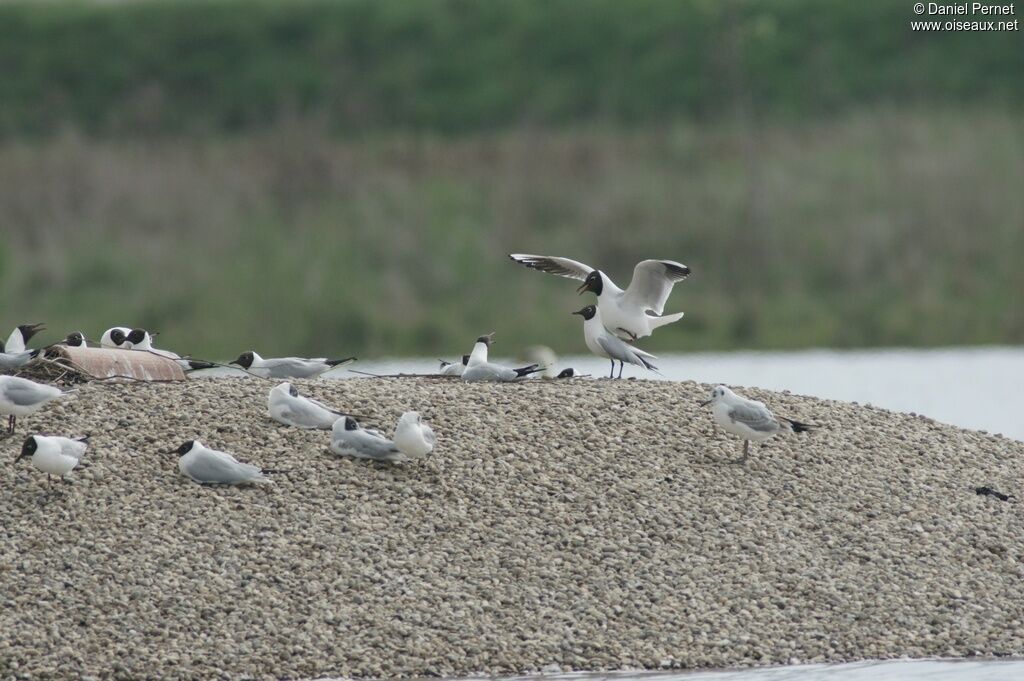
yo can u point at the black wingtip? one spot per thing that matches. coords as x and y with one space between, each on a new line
195 364
800 427
526 371
648 365
336 362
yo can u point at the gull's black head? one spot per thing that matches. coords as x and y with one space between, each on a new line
486 340
592 283
465 360
118 337
588 312
76 339
244 360
185 447
567 373
136 336
29 330
293 391
350 423
28 448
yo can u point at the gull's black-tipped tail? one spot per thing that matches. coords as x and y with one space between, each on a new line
799 427
194 364
336 362
526 371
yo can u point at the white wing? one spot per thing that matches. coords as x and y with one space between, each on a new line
652 282
563 267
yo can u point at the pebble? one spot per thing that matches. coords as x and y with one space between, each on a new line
559 525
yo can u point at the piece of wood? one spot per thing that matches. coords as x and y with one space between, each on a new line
111 362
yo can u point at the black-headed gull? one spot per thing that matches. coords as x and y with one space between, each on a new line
214 467
453 368
604 343
749 419
115 337
285 405
21 397
287 367
52 454
414 438
478 369
348 438
19 338
630 314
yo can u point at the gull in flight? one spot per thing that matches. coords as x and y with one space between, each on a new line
21 397
54 455
604 343
19 338
287 367
348 438
749 419
210 466
414 438
285 405
478 369
630 314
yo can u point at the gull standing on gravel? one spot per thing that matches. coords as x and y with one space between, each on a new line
453 368
348 438
478 369
210 466
604 343
285 405
414 438
19 338
15 360
21 397
287 367
115 337
52 454
749 419
630 314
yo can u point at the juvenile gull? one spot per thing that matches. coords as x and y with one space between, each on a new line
604 343
414 438
19 338
348 438
285 405
54 455
287 367
21 397
749 419
630 314
478 369
210 466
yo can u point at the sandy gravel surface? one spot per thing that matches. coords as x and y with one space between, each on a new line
587 524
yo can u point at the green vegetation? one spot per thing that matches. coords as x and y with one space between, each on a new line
168 66
879 227
321 177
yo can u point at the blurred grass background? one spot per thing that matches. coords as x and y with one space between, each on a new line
334 177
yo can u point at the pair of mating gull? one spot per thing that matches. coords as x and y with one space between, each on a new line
57 455
619 318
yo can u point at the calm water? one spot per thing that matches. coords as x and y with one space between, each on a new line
888 670
979 388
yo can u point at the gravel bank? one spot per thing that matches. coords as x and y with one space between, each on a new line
587 524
